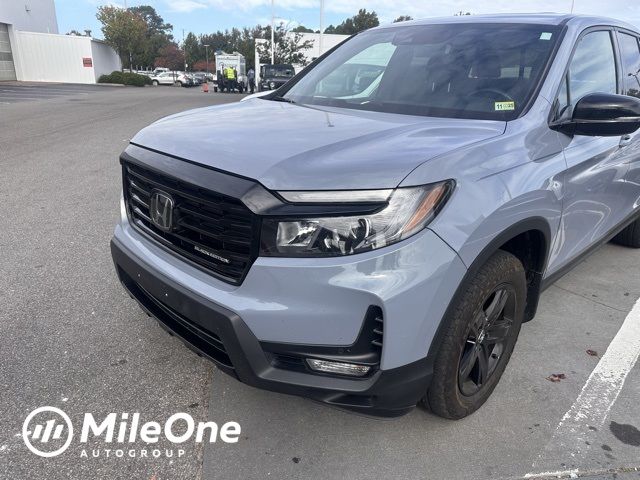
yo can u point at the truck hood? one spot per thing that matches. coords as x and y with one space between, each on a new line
294 147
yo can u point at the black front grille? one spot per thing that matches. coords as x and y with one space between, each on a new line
216 232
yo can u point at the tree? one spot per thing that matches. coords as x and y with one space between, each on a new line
201 65
302 29
170 57
158 34
191 48
234 40
289 46
461 14
363 20
155 23
403 18
76 33
123 30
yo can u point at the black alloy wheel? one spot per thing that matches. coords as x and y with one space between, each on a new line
479 332
486 339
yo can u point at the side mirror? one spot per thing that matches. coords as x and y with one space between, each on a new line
602 115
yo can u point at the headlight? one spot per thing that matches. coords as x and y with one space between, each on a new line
272 84
408 211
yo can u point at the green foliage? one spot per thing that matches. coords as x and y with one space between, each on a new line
289 48
240 40
141 37
363 20
76 33
123 30
302 29
191 48
137 34
125 78
155 23
136 79
158 35
171 57
403 18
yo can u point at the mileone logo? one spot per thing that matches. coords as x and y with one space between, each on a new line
48 432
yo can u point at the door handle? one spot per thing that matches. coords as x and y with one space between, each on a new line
625 140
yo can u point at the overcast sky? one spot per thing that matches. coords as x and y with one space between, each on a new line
203 16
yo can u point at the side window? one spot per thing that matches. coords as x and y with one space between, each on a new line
630 53
592 69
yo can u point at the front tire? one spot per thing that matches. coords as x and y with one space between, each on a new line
482 330
155 83
630 236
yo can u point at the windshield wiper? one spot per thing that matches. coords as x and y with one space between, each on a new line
278 98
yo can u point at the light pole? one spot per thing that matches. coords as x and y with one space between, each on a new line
272 36
321 26
259 41
206 53
184 51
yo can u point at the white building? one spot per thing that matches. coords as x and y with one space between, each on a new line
29 15
328 41
32 50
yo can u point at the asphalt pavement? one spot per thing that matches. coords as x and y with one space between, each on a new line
71 338
17 92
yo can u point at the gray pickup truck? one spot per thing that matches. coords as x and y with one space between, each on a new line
374 237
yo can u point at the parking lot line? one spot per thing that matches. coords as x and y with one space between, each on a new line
19 99
40 92
591 409
44 90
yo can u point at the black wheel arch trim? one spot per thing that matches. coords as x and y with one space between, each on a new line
533 223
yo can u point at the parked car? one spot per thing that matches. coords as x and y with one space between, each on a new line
203 76
195 79
274 76
158 71
378 243
172 78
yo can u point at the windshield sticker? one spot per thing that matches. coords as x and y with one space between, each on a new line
546 36
505 106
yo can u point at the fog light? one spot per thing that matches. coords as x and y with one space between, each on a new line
338 367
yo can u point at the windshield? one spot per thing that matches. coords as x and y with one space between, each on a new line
279 71
485 71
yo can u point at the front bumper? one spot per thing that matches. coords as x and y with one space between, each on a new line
299 307
267 85
223 337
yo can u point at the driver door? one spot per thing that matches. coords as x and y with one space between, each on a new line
594 203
